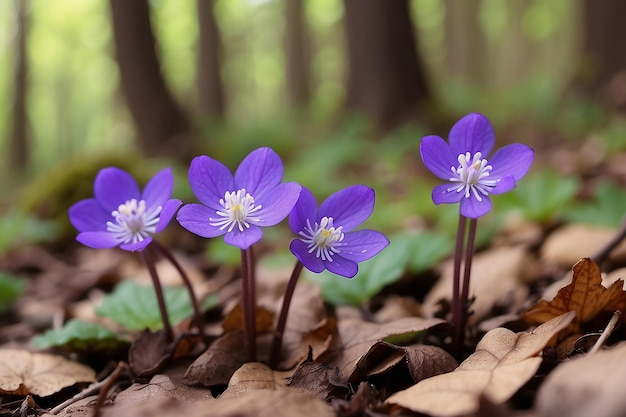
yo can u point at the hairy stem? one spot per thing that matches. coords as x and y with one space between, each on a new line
248 302
158 289
277 342
467 269
197 316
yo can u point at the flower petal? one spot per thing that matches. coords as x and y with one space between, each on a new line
342 266
195 218
504 185
305 209
209 179
446 194
301 251
361 245
348 207
169 210
473 209
277 204
514 159
113 187
98 240
245 239
159 189
259 172
132 247
89 216
437 156
472 133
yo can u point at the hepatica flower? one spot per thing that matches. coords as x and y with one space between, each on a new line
120 214
465 163
326 236
238 206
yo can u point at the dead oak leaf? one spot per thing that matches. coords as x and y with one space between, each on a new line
585 295
23 373
502 363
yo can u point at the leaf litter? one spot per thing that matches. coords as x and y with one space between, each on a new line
337 366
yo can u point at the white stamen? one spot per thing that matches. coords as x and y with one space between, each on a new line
132 223
323 238
238 207
472 175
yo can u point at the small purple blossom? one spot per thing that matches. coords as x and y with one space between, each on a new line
326 238
121 214
462 161
238 206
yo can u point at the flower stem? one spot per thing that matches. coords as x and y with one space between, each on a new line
467 269
159 294
248 303
277 343
197 316
457 341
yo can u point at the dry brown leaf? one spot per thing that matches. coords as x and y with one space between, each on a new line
253 376
586 386
23 373
319 379
218 363
502 363
234 321
585 295
356 338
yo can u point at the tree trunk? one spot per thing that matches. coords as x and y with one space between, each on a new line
210 88
161 125
465 43
603 68
385 76
19 141
298 54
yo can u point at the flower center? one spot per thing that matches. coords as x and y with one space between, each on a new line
237 209
472 175
323 238
132 223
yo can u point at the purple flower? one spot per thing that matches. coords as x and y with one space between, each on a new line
327 240
121 214
471 176
237 207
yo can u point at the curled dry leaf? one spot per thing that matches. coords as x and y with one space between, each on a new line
218 363
585 295
502 363
586 386
23 373
253 376
356 338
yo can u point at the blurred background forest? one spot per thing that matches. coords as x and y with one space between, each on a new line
97 82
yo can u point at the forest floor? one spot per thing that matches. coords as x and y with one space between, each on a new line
526 354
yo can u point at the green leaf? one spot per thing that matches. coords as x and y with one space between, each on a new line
135 306
80 336
10 289
541 197
416 252
607 208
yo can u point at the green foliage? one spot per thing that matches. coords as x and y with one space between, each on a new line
541 197
135 306
10 289
606 208
412 252
80 336
18 229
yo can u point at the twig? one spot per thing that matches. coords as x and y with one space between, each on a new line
604 253
606 333
95 387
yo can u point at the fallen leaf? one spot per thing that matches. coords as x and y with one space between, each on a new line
23 373
319 379
585 295
234 320
253 376
356 338
160 386
218 363
502 363
586 386
570 243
